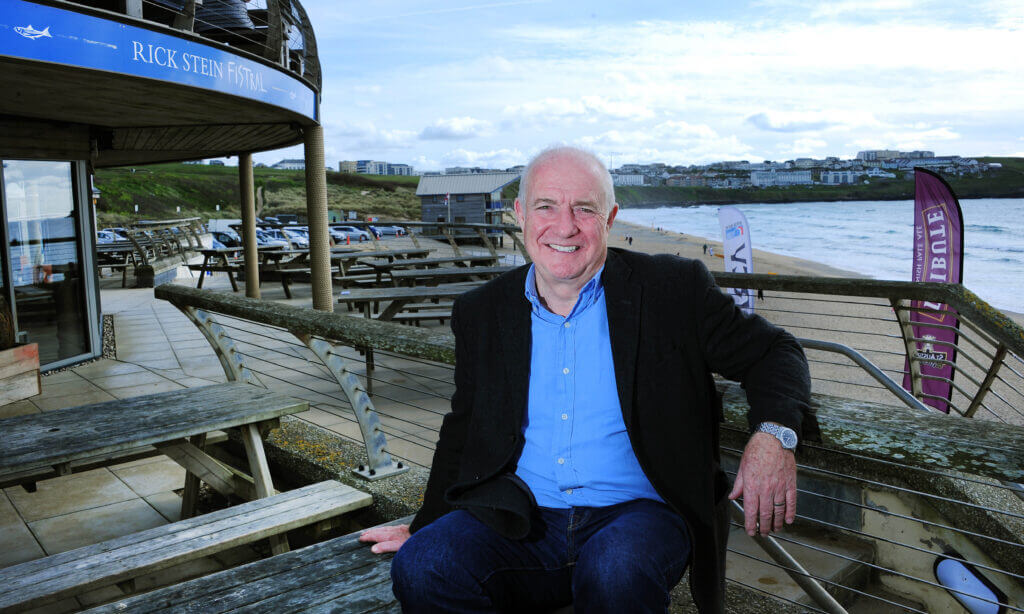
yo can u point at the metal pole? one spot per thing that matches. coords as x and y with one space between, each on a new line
316 211
814 590
252 262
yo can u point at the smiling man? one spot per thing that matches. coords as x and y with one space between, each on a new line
579 463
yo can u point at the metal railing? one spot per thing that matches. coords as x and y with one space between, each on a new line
276 31
886 491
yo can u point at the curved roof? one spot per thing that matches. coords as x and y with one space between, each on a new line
81 82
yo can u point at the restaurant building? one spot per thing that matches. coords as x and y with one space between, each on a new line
102 83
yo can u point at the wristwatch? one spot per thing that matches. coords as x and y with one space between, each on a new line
785 435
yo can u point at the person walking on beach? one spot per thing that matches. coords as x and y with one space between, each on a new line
705 248
579 463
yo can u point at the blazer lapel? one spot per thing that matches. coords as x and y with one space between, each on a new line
515 342
623 298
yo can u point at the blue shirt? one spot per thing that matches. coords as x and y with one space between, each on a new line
577 451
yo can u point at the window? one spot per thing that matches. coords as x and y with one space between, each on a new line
460 198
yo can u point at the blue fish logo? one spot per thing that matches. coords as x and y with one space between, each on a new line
32 33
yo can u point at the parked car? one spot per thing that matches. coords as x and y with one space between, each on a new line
339 235
298 238
105 236
226 239
271 238
120 234
354 233
396 231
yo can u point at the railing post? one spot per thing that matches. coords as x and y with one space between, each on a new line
316 211
380 464
446 231
234 367
487 242
997 361
519 244
902 311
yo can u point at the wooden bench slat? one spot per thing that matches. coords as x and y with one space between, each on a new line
269 578
52 578
88 430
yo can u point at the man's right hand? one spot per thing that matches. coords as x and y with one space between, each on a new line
386 539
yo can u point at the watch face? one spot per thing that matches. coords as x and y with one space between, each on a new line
788 438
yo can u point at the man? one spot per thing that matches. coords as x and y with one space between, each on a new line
579 462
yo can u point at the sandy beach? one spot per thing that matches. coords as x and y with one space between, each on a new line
867 325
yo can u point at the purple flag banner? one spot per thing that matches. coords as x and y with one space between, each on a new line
938 257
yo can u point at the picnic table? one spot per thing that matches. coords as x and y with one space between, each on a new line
223 260
400 298
387 266
175 423
448 274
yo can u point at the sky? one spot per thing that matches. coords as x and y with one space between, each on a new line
440 83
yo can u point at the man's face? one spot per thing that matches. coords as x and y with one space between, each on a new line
565 224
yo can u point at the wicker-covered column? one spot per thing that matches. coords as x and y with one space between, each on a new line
252 257
316 211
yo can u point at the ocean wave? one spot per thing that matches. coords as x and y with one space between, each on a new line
986 228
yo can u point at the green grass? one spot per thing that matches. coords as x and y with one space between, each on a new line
160 189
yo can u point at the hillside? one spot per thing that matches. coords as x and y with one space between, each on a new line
1007 182
198 189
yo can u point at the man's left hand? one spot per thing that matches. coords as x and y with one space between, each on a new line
767 482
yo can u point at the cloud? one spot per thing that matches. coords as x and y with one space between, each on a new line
803 121
805 147
497 158
588 108
669 141
455 128
365 137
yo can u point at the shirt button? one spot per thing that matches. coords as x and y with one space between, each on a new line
567 324
565 416
565 370
561 461
568 492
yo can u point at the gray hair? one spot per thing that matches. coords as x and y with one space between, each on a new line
582 156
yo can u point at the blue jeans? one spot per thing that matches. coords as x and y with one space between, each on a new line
620 558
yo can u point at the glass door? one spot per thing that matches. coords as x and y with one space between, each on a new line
46 276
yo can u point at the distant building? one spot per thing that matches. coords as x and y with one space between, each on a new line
618 179
216 162
295 164
807 163
374 167
879 173
469 170
838 177
472 197
764 179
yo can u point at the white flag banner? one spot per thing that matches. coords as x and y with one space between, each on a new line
738 253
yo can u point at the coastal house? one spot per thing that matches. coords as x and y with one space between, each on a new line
291 164
463 198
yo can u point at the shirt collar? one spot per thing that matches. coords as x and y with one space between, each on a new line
589 293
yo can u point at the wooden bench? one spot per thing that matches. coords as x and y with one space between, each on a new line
119 560
416 317
341 574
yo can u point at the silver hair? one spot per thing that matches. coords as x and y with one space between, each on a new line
577 154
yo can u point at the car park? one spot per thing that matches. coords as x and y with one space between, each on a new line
105 236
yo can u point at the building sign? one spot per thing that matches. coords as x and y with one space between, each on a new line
49 34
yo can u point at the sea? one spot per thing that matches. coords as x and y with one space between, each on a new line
873 238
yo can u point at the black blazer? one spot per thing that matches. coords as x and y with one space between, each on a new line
670 328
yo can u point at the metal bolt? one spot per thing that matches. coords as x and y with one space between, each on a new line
399 465
361 467
373 472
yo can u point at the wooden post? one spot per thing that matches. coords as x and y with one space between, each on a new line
252 257
316 211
